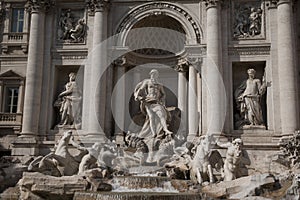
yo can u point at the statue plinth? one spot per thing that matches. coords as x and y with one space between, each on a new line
249 127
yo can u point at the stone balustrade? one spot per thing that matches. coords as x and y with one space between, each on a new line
10 119
15 37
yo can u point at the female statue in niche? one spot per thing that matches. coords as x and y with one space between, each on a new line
69 102
248 98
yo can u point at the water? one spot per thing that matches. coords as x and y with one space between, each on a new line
166 187
136 196
139 188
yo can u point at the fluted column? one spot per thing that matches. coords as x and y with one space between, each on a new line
192 103
32 100
286 67
213 68
97 88
182 68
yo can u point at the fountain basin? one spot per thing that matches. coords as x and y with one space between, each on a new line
136 182
135 196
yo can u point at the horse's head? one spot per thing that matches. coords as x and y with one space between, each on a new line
97 146
66 136
206 142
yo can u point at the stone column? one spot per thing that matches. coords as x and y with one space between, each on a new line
27 143
213 68
20 99
192 104
1 95
32 98
193 115
286 67
119 96
199 102
98 66
182 67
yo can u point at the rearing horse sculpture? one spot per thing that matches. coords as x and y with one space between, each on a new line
59 163
203 161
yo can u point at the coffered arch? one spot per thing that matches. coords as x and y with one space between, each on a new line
191 27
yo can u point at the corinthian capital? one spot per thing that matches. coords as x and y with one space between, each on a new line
212 3
97 5
182 65
39 5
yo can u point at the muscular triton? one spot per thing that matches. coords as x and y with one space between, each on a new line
152 96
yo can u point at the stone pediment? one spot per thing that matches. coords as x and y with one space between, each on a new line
10 74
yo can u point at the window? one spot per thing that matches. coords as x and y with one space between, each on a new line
17 20
11 99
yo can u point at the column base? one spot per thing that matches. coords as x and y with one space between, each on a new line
25 145
91 138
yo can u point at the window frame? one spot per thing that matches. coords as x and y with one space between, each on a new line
17 21
10 104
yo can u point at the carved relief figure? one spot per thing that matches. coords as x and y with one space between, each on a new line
232 160
78 33
151 95
255 21
247 21
248 98
72 28
66 24
69 102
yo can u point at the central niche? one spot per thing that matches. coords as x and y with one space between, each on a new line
156 35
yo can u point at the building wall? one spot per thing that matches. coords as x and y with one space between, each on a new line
60 57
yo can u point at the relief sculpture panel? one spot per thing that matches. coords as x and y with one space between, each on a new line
248 20
72 26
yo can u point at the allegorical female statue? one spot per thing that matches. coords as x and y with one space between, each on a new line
69 103
248 98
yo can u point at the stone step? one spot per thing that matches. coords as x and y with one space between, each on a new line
137 182
136 196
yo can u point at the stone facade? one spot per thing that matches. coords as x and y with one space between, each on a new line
202 50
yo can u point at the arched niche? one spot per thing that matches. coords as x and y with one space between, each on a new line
189 25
